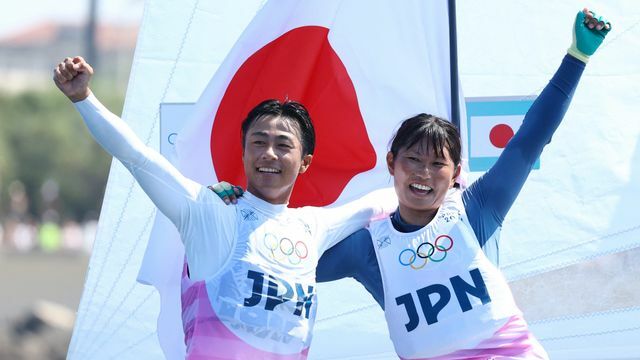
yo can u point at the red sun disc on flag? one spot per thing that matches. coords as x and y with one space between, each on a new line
299 65
500 135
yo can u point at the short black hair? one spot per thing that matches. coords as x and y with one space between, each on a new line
290 110
437 132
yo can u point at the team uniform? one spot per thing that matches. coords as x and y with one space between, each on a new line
443 295
438 284
250 292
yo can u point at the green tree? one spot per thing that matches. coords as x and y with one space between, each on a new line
43 138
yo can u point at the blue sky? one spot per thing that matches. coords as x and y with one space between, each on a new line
17 15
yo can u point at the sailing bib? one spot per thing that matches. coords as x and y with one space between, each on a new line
442 294
263 304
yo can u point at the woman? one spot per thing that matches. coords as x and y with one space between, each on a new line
443 298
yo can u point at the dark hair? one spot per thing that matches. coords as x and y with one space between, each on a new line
438 134
290 110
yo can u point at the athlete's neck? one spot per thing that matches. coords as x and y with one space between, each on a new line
263 205
416 217
274 197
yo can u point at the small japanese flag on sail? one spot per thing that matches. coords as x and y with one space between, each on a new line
492 122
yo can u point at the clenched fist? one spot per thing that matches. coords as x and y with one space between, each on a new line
72 77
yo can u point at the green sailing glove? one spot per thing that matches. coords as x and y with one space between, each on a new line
585 40
227 192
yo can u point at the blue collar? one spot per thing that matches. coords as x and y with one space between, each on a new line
401 225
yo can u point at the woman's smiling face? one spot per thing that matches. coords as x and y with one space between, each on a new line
421 178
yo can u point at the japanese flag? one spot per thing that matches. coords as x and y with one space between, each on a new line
491 134
492 122
359 67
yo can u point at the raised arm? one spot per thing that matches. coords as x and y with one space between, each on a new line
488 200
170 191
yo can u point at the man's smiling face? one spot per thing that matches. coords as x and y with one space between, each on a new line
273 158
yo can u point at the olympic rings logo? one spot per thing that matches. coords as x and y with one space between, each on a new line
285 248
426 251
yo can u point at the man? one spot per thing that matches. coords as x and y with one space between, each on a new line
255 262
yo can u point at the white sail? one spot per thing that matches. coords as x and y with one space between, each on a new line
568 244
